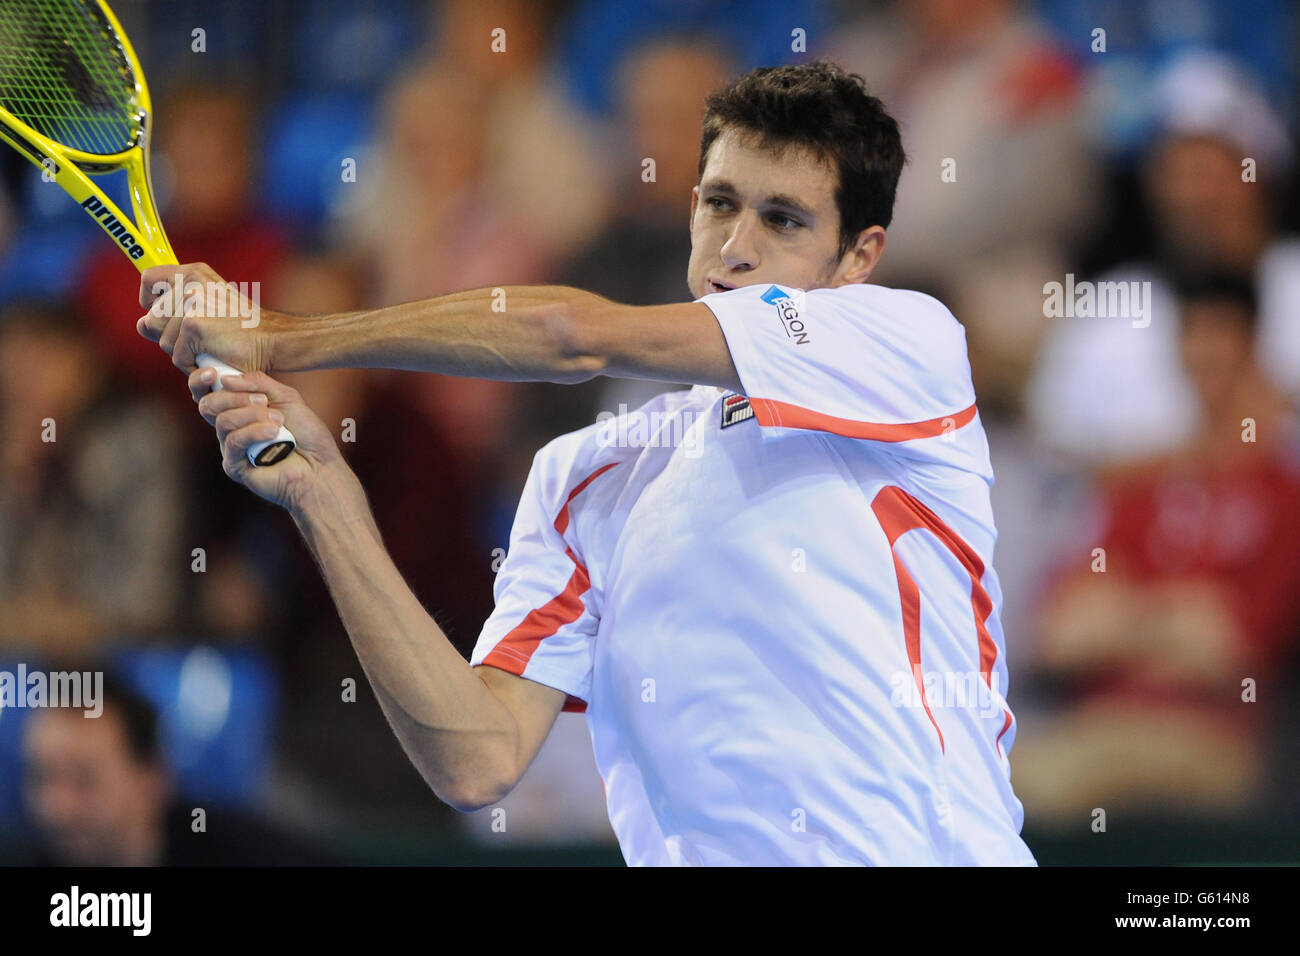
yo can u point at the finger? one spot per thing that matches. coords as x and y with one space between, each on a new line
148 328
171 331
234 419
204 380
183 353
184 350
153 323
159 281
277 392
214 403
201 381
236 444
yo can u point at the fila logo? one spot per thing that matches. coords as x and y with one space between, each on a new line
736 408
789 313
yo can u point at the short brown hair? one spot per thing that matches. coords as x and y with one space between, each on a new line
819 106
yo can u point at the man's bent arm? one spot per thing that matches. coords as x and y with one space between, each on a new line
515 333
469 746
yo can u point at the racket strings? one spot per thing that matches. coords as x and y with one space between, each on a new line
63 73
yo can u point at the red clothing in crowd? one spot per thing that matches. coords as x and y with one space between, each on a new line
109 295
1236 526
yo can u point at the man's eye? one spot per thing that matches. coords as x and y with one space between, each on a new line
718 203
784 222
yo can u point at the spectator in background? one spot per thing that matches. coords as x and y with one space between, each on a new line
429 222
205 168
1122 388
538 149
985 94
91 495
1040 496
100 794
1200 591
636 257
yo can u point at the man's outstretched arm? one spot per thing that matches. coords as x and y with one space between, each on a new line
471 732
510 333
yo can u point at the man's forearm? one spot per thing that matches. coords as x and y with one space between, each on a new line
455 730
510 333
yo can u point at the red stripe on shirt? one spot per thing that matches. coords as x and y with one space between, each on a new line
772 413
898 513
513 652
562 519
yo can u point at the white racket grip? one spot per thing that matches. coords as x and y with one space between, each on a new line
264 452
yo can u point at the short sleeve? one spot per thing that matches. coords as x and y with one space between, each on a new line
861 361
544 624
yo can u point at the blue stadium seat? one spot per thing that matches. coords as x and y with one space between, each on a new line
44 260
307 140
11 777
348 46
216 708
1143 38
598 34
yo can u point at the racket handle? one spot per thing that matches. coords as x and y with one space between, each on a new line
264 452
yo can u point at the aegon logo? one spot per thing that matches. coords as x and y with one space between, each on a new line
113 226
788 312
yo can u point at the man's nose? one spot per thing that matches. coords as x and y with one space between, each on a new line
740 251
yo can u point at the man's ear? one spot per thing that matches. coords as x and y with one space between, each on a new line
695 201
861 258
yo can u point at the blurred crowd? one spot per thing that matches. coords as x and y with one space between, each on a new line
348 155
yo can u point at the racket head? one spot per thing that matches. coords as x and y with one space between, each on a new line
68 74
74 101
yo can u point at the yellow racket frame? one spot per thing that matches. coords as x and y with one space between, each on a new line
72 170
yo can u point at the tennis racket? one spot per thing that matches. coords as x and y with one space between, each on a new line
73 100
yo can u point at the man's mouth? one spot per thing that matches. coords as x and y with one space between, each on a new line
716 286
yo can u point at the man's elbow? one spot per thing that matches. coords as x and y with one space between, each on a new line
473 795
577 337
478 780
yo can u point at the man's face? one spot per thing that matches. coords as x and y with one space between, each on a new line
1203 210
759 218
95 803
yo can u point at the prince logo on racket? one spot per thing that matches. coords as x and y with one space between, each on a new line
773 690
113 226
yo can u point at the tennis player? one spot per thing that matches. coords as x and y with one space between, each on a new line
778 611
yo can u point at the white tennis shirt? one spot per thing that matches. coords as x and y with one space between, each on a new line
778 610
